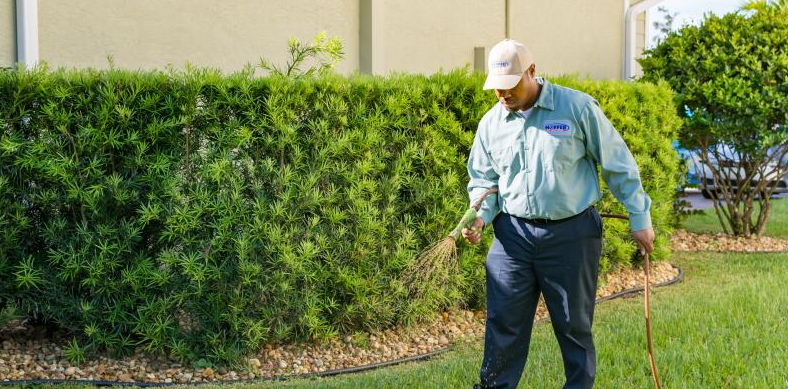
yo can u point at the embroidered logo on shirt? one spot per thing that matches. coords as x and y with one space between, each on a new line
558 127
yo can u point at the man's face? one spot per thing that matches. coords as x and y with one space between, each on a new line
519 97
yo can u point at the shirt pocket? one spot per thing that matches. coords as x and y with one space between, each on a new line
560 152
507 160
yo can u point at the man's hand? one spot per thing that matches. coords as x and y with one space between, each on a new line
645 240
474 234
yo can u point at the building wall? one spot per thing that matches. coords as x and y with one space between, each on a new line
153 33
381 36
641 36
572 36
425 36
7 33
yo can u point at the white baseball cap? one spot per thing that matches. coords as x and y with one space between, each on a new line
508 61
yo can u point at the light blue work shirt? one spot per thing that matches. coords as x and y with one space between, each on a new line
545 166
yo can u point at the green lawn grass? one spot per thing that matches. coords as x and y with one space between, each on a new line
723 327
708 222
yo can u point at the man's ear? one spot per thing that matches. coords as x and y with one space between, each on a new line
532 70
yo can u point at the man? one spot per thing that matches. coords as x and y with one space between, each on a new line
539 146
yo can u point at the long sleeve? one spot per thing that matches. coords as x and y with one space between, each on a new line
619 169
482 177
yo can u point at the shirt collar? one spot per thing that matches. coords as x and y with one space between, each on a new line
545 99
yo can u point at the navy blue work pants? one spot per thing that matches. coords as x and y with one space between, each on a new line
560 260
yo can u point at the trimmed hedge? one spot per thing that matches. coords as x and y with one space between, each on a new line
205 215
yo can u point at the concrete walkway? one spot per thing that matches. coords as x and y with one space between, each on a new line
697 201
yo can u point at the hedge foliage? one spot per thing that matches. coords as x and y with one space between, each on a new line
204 215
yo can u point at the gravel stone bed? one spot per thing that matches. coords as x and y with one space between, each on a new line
28 353
688 241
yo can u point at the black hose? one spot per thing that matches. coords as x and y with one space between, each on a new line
639 289
327 373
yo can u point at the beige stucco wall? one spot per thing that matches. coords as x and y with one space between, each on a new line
567 36
640 41
7 33
572 36
425 36
153 33
640 32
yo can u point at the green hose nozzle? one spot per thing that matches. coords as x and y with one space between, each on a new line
466 222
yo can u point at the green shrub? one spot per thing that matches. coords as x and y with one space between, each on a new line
205 215
731 83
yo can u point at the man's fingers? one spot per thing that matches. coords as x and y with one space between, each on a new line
645 248
649 246
470 235
473 234
645 240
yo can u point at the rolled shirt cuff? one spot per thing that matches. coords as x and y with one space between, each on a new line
639 221
487 215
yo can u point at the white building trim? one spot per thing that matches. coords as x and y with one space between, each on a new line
27 32
630 31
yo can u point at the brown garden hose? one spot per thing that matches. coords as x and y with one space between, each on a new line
646 292
648 324
649 344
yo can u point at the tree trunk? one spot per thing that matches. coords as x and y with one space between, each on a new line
746 217
735 219
763 217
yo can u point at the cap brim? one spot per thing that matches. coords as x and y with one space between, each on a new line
501 82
